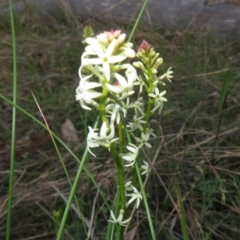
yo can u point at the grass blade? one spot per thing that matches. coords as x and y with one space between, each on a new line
13 138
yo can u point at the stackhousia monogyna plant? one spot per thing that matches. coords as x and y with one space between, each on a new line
126 96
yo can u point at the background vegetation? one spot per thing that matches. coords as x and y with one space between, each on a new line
196 159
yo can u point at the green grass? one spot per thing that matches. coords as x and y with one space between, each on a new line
196 173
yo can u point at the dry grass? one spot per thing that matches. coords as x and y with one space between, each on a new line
197 153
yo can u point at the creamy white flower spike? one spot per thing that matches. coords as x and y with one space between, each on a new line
106 50
95 54
109 83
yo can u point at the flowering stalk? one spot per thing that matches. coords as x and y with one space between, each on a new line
107 84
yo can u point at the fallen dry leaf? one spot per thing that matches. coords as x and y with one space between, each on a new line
68 132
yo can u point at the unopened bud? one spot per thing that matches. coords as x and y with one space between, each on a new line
121 38
130 53
158 62
102 39
154 71
140 55
87 32
140 65
152 53
144 46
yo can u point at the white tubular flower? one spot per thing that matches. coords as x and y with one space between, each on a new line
145 168
134 196
143 140
138 106
150 132
124 86
91 140
104 57
159 99
119 220
114 110
159 106
128 186
130 156
158 95
128 51
104 139
167 75
141 83
96 70
125 106
85 93
137 123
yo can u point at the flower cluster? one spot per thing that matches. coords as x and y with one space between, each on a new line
111 85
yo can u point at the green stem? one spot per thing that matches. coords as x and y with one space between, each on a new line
102 108
119 234
138 20
73 190
145 202
13 138
119 164
120 169
72 193
150 100
120 135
